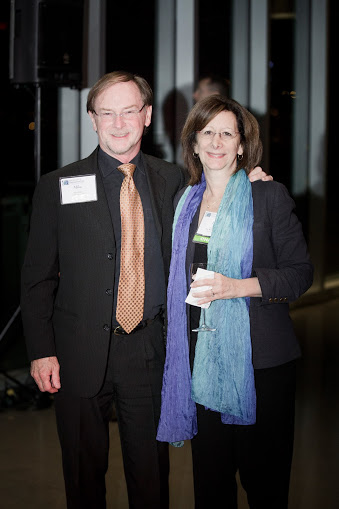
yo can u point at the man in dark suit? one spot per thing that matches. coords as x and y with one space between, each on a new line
70 326
70 284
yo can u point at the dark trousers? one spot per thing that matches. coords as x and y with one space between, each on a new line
133 382
262 453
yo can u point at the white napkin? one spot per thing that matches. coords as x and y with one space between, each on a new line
200 274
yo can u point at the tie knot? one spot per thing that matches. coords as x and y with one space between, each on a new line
127 169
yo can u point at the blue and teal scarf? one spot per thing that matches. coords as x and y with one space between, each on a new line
223 377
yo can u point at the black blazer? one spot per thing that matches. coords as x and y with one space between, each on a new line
282 264
70 316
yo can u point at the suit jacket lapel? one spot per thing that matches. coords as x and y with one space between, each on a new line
157 185
103 216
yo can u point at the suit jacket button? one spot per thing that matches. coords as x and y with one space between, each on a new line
285 299
275 299
281 299
108 291
106 327
270 299
110 256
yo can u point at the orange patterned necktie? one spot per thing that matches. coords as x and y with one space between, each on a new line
131 290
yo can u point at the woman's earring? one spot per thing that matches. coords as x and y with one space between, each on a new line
240 157
195 155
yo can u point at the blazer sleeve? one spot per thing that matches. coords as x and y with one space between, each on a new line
289 271
39 277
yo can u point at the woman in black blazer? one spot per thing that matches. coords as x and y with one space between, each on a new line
232 390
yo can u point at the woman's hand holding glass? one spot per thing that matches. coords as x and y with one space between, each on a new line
223 287
195 268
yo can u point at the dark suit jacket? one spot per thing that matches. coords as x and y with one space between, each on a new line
282 264
70 316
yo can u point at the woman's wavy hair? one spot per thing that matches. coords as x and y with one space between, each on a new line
201 114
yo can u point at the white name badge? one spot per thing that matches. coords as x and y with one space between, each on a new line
204 231
78 189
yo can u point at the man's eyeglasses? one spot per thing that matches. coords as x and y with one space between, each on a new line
227 134
126 115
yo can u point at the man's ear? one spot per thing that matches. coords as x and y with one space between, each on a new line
148 116
92 117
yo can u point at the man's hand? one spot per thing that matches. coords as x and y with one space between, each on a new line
45 372
258 174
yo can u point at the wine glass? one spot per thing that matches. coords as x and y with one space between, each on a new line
203 327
